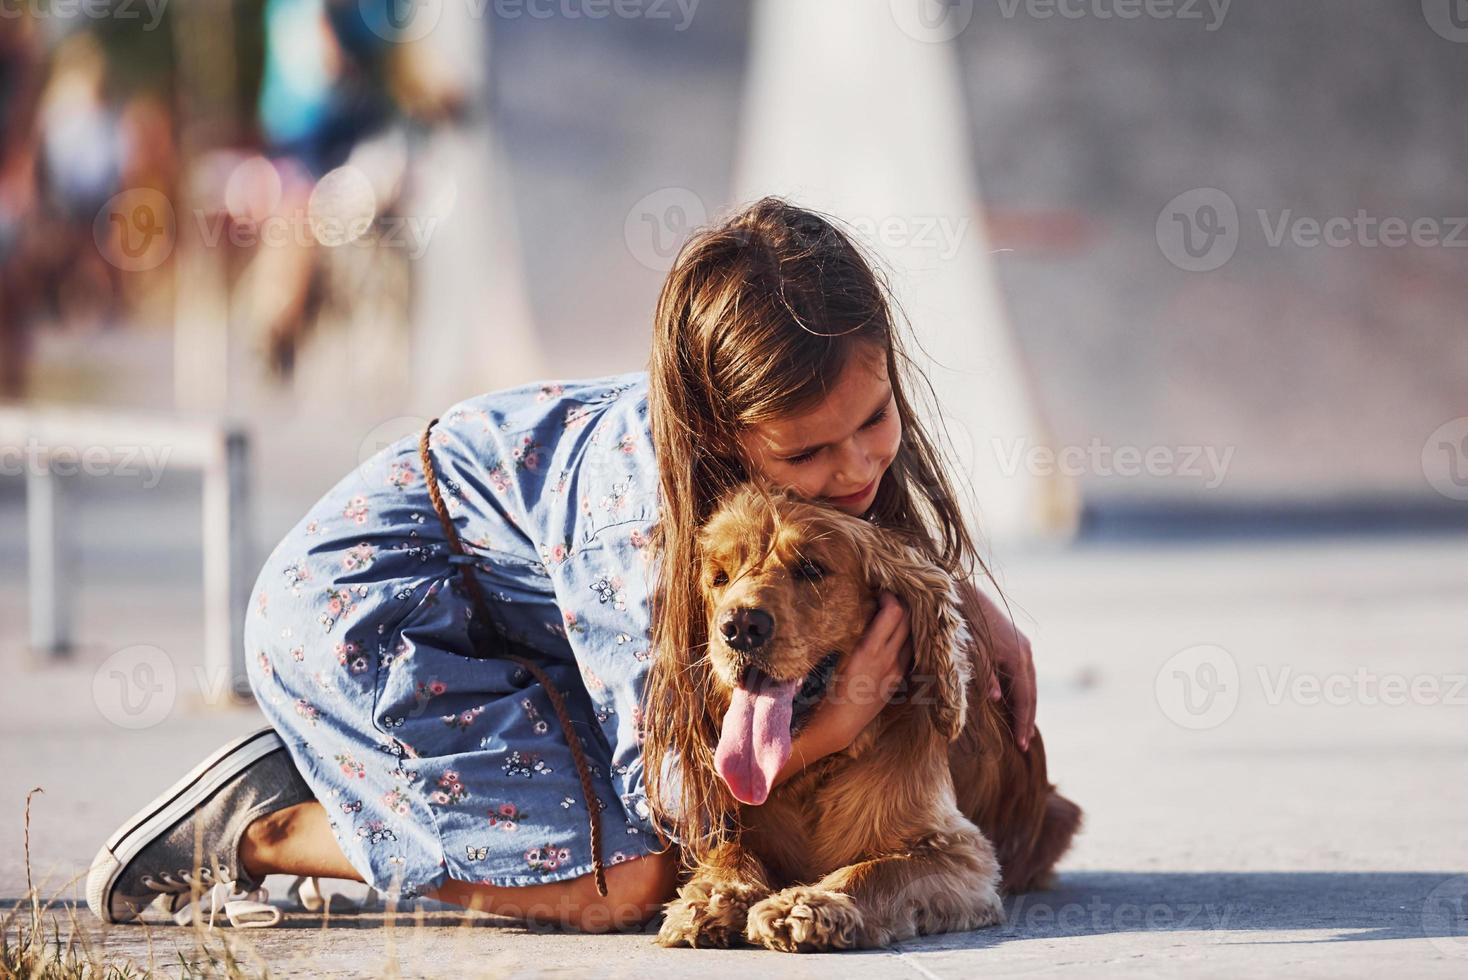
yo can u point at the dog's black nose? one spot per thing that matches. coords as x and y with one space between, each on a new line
746 628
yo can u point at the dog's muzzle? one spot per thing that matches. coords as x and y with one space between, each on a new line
747 628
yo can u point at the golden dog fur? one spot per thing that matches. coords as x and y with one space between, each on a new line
920 823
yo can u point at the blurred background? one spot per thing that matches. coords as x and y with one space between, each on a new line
1190 277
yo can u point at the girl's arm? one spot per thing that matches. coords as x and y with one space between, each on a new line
863 682
1012 658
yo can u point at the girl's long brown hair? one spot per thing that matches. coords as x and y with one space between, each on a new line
756 320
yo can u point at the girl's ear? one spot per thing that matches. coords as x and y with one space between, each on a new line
939 634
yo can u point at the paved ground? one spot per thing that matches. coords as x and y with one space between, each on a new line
1270 739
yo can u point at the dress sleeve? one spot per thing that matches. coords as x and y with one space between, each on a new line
602 589
598 554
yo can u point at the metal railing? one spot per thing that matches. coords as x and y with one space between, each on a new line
218 450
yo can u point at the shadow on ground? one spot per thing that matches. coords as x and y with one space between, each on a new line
1341 906
1234 906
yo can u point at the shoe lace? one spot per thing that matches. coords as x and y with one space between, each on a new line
251 909
244 908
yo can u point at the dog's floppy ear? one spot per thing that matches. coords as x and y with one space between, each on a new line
940 637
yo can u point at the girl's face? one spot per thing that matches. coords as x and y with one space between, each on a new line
837 451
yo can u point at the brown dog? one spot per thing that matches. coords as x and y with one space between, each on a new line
878 842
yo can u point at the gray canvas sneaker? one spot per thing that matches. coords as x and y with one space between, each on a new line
152 853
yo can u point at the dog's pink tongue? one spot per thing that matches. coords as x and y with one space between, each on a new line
755 741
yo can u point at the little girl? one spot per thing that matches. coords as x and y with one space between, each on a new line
469 696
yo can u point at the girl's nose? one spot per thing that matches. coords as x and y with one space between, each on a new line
853 465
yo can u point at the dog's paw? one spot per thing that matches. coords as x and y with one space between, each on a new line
707 914
805 920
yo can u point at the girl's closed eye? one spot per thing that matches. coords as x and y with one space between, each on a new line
875 420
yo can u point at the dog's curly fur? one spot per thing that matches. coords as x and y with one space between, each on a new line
919 824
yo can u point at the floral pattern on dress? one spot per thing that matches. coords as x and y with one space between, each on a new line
431 761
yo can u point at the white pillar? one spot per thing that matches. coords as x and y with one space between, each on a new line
49 577
473 328
855 108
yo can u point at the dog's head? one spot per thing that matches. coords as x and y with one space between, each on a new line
789 588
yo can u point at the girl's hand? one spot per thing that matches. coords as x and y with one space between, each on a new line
868 676
1014 662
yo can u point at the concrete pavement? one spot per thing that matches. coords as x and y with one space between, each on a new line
1270 741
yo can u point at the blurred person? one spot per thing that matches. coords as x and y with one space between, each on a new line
79 166
451 646
150 161
21 69
333 87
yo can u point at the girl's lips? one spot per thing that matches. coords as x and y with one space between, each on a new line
855 498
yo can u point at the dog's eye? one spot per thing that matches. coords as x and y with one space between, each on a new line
721 578
809 571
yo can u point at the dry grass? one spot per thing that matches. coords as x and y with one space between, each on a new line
32 946
43 938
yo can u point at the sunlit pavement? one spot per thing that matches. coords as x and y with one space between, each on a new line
1270 740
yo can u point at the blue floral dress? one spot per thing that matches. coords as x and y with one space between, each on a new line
433 763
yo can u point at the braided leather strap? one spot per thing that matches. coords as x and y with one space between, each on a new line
491 646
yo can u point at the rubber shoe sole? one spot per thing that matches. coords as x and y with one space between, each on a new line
171 806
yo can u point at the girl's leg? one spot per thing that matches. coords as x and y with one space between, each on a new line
636 891
297 840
